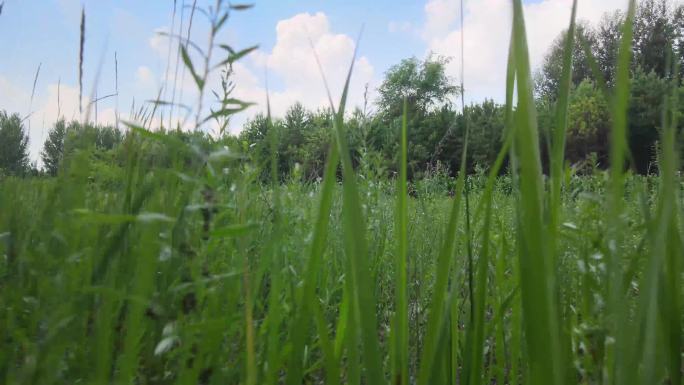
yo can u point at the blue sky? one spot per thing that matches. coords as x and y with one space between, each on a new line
46 32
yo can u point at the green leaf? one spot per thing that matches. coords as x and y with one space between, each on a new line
541 313
233 57
225 112
241 7
188 64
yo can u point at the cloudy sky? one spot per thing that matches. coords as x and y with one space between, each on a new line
46 33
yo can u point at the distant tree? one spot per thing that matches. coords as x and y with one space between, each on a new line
645 116
655 34
317 140
440 137
14 157
82 136
608 34
255 135
588 124
486 130
424 83
53 148
428 91
425 132
679 33
255 130
292 135
107 137
65 138
658 28
549 77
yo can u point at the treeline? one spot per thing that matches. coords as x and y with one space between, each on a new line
436 126
104 147
657 67
62 139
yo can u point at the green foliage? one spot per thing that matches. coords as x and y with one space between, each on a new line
486 134
655 33
14 158
588 124
647 96
424 84
658 27
547 81
53 148
658 34
303 140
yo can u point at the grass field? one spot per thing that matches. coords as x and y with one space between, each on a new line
202 273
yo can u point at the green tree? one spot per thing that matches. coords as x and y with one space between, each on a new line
548 78
317 139
608 35
14 158
255 130
53 148
655 33
658 27
588 124
424 83
486 129
428 91
292 136
83 136
645 116
679 41
255 136
439 140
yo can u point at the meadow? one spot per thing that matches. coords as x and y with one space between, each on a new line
199 270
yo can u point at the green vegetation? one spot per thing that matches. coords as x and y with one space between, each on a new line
14 159
294 253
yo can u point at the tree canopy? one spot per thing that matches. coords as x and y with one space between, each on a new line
14 157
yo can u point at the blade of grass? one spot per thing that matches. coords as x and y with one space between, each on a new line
363 308
557 163
558 143
673 280
400 330
274 313
307 296
332 375
357 249
540 309
663 243
437 304
622 371
476 336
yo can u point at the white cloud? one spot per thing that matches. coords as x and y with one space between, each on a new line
159 42
292 61
440 16
487 33
145 76
291 66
